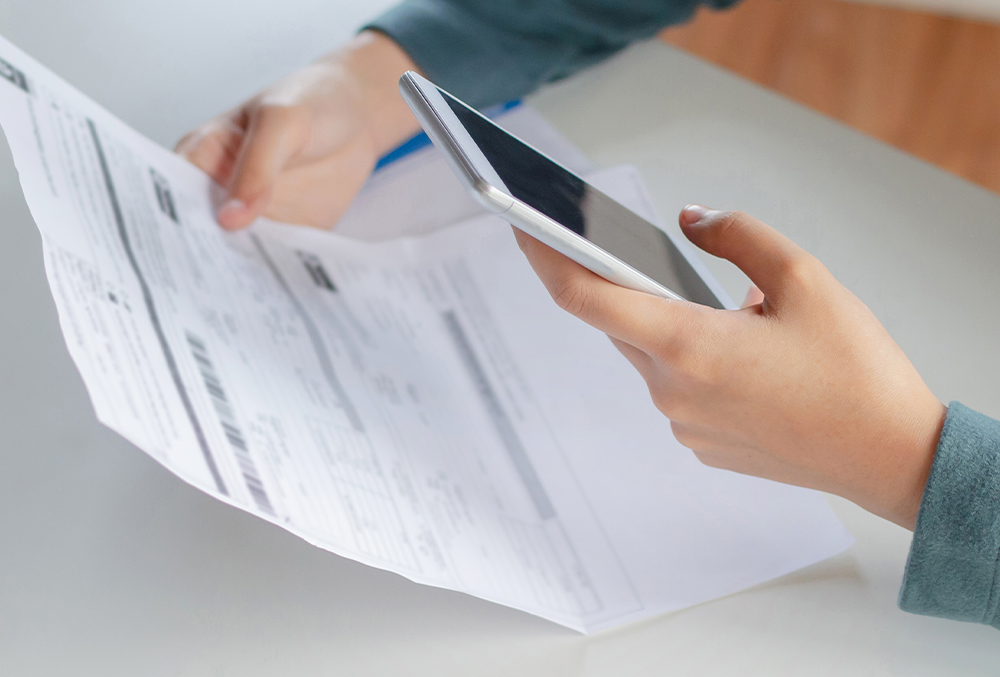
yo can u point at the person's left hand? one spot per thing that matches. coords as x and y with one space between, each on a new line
802 386
300 150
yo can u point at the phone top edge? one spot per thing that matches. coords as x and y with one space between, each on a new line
504 129
493 198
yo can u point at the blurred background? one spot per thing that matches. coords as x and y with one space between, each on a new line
922 75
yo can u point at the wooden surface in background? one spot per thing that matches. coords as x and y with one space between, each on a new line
927 84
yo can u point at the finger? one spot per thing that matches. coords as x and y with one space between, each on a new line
642 362
213 149
231 122
687 435
754 296
274 135
772 261
187 141
649 323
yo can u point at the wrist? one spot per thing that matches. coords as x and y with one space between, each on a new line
907 465
927 436
374 62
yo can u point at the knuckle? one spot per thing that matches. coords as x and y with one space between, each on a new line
709 459
671 347
670 403
677 337
572 295
684 348
683 435
801 271
664 403
728 223
683 356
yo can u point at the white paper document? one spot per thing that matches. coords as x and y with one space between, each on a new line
418 403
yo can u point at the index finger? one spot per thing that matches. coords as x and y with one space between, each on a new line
213 148
650 323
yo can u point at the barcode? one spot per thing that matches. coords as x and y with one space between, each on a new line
15 76
316 271
163 195
230 426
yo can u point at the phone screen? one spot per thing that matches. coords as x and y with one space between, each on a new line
570 201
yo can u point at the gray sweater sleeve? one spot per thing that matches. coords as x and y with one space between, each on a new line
952 570
492 51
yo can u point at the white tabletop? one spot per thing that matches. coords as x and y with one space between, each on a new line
110 566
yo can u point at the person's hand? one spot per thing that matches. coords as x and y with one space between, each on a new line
803 386
300 150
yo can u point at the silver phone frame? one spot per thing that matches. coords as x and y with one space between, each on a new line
480 179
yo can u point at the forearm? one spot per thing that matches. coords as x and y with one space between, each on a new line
490 52
371 65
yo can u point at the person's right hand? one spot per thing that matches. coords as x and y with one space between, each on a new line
802 386
301 149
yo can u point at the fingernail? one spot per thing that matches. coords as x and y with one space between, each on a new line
692 214
230 209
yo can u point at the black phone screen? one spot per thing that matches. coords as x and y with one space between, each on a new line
572 202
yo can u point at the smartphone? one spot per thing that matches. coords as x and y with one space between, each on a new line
547 201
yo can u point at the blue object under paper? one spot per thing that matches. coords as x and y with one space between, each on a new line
421 141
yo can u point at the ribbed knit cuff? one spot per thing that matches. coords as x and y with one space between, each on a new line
953 569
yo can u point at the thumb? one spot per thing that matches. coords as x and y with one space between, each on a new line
274 135
767 257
